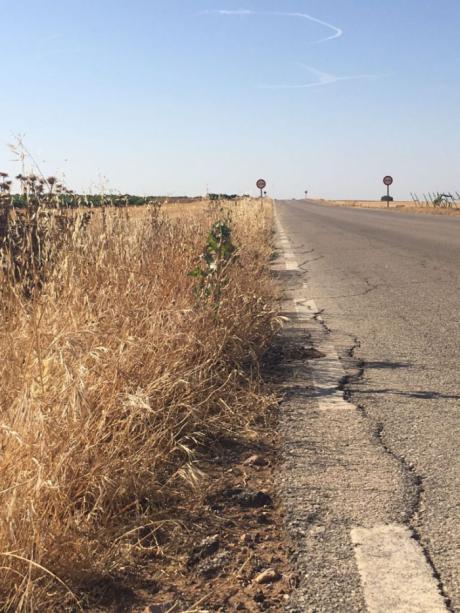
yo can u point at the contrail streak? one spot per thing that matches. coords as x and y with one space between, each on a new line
323 78
336 32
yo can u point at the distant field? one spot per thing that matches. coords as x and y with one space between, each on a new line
399 205
171 209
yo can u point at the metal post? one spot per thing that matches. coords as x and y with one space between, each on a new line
388 196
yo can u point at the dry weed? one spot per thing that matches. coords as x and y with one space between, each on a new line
112 374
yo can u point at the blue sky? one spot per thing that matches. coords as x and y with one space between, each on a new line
174 96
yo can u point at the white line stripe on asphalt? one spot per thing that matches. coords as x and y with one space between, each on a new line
327 372
290 261
395 575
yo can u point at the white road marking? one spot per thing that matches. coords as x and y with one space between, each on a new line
327 372
290 261
395 575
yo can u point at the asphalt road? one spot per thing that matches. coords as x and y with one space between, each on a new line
389 285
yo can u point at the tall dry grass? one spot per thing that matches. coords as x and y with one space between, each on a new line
112 373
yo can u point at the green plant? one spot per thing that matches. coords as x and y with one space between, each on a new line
444 200
216 197
218 254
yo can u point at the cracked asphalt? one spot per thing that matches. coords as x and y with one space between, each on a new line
388 286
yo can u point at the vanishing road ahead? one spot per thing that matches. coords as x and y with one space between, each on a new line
388 286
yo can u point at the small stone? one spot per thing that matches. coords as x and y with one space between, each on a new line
208 547
256 460
268 576
212 567
318 531
249 498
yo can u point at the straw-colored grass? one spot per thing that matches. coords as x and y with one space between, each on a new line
110 377
403 206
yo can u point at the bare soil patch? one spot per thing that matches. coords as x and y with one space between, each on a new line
234 554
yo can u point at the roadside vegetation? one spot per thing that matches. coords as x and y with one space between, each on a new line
130 344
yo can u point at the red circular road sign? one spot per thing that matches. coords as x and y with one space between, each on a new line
261 184
388 180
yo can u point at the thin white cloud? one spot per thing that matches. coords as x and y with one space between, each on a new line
322 79
336 32
232 12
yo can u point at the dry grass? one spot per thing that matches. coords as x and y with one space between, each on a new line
171 209
111 376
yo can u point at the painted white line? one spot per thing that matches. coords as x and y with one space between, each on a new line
327 372
395 575
290 261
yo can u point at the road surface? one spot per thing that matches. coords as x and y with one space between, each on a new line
388 286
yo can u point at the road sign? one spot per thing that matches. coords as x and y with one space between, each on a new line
388 180
262 184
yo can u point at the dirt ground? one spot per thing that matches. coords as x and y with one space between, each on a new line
227 550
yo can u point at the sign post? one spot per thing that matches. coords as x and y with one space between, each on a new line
261 184
388 180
